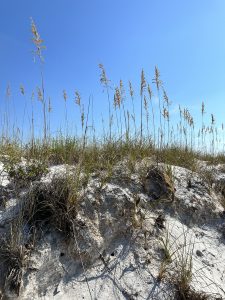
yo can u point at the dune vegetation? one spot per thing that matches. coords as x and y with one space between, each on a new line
85 188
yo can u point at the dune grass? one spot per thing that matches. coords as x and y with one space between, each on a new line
154 132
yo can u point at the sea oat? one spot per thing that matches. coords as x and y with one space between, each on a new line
38 42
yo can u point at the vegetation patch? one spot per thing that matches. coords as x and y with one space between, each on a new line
13 254
23 173
54 204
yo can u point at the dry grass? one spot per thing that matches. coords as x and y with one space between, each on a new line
53 204
13 255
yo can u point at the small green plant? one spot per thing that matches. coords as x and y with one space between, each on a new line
26 172
178 255
183 263
168 253
166 247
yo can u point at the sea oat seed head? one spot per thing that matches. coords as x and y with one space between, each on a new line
143 82
77 98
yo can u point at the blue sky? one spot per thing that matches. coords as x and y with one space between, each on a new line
185 39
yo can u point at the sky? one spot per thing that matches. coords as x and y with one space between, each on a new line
185 39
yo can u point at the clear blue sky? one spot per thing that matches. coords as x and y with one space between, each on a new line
185 39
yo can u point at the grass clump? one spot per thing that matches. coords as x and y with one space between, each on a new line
179 255
13 254
53 204
178 156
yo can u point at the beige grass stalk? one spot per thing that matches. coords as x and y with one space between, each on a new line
180 130
117 103
213 135
131 91
49 117
122 93
167 115
143 86
150 94
147 116
202 113
81 108
165 118
158 84
105 82
65 98
41 98
38 43
22 92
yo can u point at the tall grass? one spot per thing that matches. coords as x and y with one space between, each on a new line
138 125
